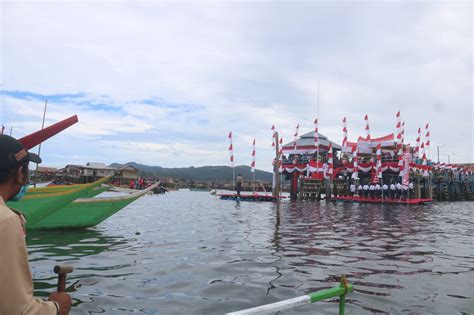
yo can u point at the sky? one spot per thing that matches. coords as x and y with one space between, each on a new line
162 83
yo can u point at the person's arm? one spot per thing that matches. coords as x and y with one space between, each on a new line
16 286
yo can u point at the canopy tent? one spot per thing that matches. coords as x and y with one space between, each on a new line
306 144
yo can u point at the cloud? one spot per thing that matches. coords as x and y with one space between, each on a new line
148 73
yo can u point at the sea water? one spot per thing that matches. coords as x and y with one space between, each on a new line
191 253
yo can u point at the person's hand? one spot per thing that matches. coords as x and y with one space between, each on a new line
64 301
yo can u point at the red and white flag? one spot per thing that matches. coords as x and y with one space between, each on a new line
296 136
330 161
273 136
231 150
423 153
427 138
378 167
344 134
252 165
367 128
418 141
355 160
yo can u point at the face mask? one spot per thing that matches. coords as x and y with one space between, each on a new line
20 194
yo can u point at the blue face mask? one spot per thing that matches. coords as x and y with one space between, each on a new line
20 194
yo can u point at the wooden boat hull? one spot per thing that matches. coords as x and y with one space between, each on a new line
61 188
88 212
39 206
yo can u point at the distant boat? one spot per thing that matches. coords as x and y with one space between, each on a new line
88 212
38 206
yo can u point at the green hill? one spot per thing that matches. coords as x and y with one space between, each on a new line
202 173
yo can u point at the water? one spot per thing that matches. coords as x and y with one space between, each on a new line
190 253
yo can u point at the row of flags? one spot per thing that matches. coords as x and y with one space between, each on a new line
420 150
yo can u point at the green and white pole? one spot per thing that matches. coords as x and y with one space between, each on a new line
313 297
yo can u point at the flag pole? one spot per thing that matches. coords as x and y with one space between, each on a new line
39 148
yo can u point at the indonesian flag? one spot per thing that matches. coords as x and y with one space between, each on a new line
273 136
252 165
330 161
427 137
296 136
367 128
231 150
316 134
344 133
423 153
418 141
378 167
355 160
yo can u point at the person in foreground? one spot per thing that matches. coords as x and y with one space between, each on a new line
16 284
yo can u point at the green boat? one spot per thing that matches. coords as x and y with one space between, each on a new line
36 207
88 212
61 188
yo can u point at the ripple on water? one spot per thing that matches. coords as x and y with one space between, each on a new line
188 252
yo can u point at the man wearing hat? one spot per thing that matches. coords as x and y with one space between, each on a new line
16 284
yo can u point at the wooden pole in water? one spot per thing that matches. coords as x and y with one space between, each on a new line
276 167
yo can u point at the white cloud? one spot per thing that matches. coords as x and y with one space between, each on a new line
241 67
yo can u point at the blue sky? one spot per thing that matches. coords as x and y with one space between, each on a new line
162 83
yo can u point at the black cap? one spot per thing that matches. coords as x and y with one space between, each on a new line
13 153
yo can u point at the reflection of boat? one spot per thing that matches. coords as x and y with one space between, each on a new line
253 197
88 212
38 206
417 201
199 189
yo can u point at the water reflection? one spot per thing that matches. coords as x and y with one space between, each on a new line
188 252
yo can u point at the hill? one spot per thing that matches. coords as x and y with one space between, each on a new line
203 173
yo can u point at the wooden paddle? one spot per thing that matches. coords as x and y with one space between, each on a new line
62 272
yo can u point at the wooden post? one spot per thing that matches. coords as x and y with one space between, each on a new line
276 167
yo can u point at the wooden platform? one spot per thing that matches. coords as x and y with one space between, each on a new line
254 197
385 201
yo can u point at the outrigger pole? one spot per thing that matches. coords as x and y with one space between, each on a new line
339 291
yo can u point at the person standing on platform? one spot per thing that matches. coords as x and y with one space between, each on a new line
393 190
372 191
385 191
378 190
16 284
238 184
366 190
399 190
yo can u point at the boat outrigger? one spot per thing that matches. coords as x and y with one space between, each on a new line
88 212
36 207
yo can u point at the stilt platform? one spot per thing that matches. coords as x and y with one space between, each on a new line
384 201
254 197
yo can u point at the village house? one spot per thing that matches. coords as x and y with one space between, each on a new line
125 174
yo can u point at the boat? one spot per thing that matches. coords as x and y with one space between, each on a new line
62 188
34 139
36 207
88 212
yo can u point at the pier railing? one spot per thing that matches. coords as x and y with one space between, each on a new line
339 291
